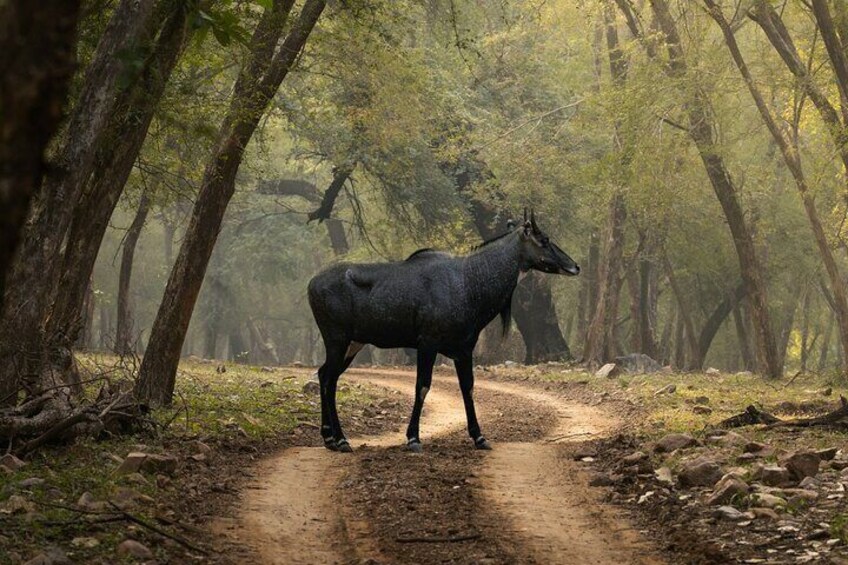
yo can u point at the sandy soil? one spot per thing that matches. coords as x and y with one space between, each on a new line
523 502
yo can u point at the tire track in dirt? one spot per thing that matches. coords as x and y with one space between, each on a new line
288 515
544 511
544 495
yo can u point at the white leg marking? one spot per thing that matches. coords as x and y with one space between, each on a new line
353 349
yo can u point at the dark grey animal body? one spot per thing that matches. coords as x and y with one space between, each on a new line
434 302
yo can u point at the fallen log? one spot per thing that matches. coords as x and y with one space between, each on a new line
753 415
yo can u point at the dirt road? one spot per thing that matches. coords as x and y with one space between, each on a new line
523 502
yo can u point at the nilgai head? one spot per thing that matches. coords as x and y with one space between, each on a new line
540 253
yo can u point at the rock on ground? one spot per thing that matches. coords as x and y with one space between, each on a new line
608 371
803 464
728 487
638 363
673 442
135 549
700 472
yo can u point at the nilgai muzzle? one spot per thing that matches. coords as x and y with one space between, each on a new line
434 302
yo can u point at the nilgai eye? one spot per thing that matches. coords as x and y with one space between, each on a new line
545 241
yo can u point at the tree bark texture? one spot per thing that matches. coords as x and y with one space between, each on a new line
792 158
701 130
124 339
256 85
37 62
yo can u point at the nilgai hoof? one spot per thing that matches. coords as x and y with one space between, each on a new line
330 444
415 446
481 443
343 446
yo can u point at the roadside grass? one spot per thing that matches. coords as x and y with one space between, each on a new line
727 394
239 413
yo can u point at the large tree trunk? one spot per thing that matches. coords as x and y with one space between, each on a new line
535 314
37 61
701 130
115 162
714 322
257 83
124 341
26 342
792 158
601 343
742 338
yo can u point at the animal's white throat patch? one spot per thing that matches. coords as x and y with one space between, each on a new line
522 274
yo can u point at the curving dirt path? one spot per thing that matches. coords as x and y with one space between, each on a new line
543 510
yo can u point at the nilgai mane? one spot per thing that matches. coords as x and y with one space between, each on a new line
434 302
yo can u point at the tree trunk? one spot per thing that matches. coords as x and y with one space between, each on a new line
115 162
701 130
601 342
792 158
257 83
33 284
124 340
37 62
825 348
535 314
714 322
684 316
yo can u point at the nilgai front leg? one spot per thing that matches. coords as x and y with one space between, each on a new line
465 372
426 360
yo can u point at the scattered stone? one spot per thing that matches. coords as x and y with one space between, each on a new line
663 475
799 496
645 497
132 548
298 364
673 442
584 451
728 487
17 504
729 513
765 513
827 454
85 542
809 483
311 387
602 480
267 369
803 464
31 482
638 363
754 447
700 472
634 458
88 502
11 462
667 389
712 371
702 410
826 391
510 363
608 371
773 475
203 447
743 374
50 556
768 500
702 400
137 478
819 534
732 439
